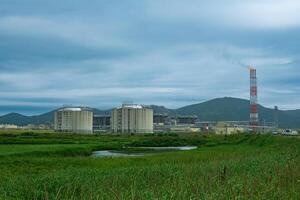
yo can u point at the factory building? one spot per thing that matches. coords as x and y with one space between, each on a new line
101 123
160 119
74 120
161 123
165 123
186 120
228 128
131 118
183 124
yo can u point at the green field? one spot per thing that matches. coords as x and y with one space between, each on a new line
51 166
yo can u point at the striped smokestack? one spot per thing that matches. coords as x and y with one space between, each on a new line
254 122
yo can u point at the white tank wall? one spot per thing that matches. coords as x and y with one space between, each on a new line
132 120
74 121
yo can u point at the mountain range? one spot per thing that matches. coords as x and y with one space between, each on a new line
219 109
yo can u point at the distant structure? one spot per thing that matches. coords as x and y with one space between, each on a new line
228 128
254 122
160 119
74 120
132 118
176 123
190 119
276 120
101 123
8 126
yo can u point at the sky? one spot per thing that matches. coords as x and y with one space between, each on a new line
100 53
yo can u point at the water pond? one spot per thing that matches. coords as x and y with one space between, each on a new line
143 151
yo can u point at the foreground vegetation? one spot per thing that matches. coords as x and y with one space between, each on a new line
52 166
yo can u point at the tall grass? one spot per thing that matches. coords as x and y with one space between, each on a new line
231 167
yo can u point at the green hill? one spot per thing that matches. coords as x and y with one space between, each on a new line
220 109
234 109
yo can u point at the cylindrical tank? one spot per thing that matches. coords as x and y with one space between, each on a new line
132 119
74 119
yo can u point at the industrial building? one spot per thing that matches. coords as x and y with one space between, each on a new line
101 123
165 123
160 119
160 123
187 120
74 120
228 128
183 124
8 126
131 118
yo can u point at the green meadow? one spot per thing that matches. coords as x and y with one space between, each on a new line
41 165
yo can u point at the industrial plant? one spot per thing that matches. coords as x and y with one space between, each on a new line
141 119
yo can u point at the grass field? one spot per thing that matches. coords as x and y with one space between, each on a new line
52 166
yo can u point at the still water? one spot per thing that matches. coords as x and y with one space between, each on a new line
113 153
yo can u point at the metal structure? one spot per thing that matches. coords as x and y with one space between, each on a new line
254 122
101 123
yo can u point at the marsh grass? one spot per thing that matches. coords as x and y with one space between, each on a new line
242 166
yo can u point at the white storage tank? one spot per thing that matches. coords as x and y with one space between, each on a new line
132 119
74 120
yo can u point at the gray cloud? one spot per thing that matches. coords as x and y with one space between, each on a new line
100 53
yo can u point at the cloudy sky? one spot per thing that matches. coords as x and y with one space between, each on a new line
101 53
